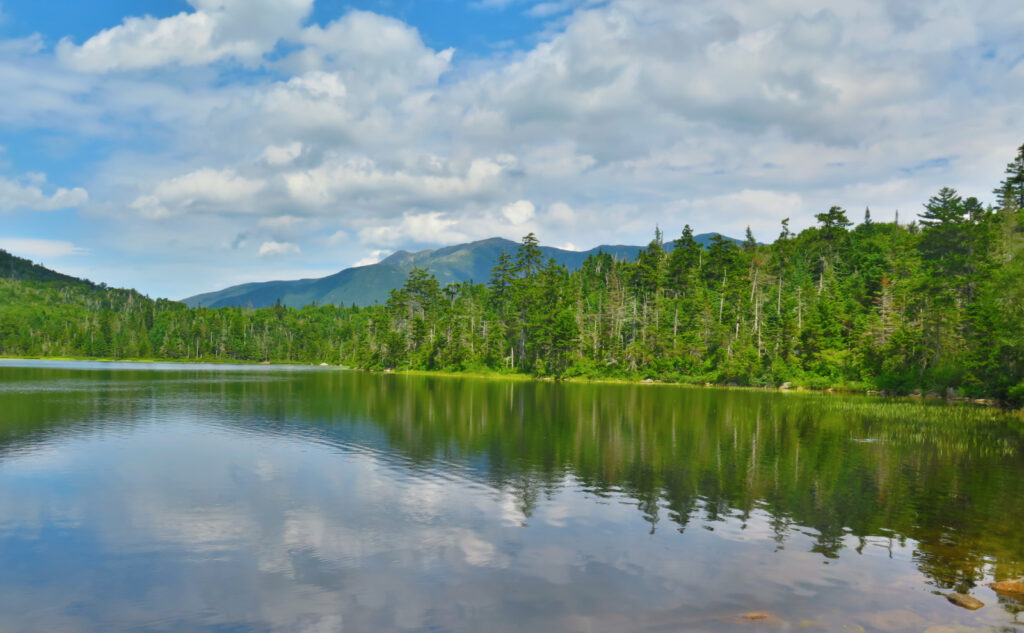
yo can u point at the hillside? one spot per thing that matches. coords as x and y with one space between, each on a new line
367 285
21 269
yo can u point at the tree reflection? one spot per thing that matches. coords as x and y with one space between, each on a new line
852 470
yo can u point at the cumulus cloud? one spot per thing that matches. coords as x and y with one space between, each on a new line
519 212
373 258
619 115
362 179
203 189
29 195
281 222
270 249
431 227
372 50
562 214
282 154
242 29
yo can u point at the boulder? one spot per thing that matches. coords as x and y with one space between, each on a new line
965 601
1015 587
786 385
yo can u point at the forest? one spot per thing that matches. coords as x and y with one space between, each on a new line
933 305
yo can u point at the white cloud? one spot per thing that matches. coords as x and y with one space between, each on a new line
269 249
372 49
373 258
208 184
281 222
362 179
759 209
620 115
16 196
561 214
30 247
204 189
282 154
150 208
519 212
242 29
431 227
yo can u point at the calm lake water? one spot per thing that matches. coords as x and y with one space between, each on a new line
186 498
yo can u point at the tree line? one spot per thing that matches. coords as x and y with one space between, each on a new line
934 305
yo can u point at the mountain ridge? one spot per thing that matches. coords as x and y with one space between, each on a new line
369 284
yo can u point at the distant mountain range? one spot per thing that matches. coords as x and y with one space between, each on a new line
366 285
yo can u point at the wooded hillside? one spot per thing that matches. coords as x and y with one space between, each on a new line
935 304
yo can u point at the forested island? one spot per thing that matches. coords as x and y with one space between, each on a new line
932 305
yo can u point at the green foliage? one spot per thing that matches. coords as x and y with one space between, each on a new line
932 308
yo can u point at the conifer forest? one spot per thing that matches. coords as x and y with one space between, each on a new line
932 303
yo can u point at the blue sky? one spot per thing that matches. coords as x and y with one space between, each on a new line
180 147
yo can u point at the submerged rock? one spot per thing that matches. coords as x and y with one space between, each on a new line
1015 587
895 620
965 601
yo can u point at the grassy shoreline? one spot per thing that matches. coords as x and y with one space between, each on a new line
518 377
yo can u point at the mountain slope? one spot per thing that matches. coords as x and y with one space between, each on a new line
20 269
366 285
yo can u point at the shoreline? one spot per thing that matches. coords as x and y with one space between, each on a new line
517 377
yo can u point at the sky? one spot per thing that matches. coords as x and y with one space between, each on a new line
181 146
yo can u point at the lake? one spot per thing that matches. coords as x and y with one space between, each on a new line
226 498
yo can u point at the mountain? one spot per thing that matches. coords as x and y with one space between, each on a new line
366 285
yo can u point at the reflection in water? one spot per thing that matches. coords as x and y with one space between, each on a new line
186 498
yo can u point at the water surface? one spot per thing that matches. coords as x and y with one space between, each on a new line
214 498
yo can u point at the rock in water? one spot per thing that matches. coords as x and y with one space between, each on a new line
1009 586
965 601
